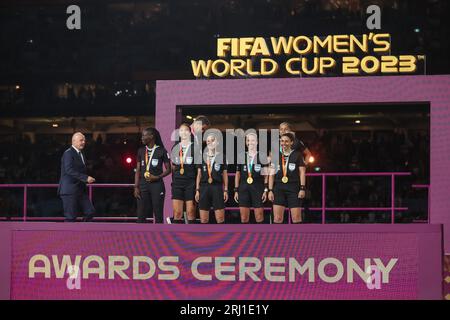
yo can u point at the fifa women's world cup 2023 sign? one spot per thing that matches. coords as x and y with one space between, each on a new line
367 54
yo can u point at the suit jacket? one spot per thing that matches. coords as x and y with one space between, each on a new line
298 145
73 174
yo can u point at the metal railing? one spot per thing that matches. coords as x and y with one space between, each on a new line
323 209
373 174
90 187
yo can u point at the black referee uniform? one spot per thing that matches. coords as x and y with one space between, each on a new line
250 195
183 185
152 193
211 194
286 194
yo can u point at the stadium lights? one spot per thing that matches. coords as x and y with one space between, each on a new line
311 159
128 160
55 125
357 121
17 87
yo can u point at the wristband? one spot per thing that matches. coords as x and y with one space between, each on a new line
236 189
303 188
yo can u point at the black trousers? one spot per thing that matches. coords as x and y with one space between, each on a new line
151 202
77 203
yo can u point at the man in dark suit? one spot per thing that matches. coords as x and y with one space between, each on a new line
198 128
72 184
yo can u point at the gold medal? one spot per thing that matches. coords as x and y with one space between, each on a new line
182 160
209 164
284 164
249 173
148 159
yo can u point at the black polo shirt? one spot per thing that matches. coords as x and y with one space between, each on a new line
257 170
160 156
189 166
218 166
294 162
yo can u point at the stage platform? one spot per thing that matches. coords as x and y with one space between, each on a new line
232 262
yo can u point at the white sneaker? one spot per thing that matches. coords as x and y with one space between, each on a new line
168 220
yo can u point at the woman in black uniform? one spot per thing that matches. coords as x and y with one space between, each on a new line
212 182
183 178
287 181
250 184
149 187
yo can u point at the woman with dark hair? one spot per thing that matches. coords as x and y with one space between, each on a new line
287 181
149 187
183 177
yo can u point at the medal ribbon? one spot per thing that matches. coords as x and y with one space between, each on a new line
147 158
285 163
183 156
209 164
250 166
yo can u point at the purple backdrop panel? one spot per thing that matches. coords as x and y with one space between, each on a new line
434 90
415 274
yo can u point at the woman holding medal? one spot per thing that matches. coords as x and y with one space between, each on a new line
212 182
149 187
287 186
250 184
183 178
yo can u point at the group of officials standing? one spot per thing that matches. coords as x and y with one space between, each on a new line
195 185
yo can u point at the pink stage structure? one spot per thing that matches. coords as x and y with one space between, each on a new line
245 262
172 96
319 261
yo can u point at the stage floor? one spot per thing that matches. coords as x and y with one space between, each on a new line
223 262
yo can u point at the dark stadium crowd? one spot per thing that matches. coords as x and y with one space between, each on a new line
124 43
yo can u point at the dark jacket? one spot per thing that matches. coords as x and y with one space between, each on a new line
73 173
